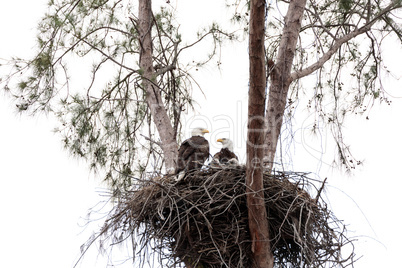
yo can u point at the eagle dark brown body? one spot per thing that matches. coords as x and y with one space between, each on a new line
224 155
192 153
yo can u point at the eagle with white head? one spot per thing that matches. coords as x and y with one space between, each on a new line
193 152
226 155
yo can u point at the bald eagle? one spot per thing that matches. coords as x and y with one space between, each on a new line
226 154
193 152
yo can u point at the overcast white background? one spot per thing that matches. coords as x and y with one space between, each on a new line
45 193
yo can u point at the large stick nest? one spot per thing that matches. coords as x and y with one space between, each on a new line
203 220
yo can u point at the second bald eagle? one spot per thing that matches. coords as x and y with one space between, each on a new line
226 154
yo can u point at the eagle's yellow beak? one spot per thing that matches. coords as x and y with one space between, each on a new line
205 131
219 140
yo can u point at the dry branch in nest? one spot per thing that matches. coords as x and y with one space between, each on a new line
203 220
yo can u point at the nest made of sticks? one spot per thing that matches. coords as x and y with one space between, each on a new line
203 220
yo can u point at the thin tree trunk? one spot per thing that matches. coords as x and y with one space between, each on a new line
153 97
280 75
257 214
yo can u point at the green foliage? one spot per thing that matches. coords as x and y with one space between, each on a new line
103 116
345 5
349 81
42 63
352 74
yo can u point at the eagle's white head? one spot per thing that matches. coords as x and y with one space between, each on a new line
226 143
199 131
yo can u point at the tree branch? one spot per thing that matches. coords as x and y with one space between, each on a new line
153 93
339 42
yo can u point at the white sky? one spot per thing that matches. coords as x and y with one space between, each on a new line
44 193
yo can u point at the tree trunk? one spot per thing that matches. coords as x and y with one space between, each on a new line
280 75
153 93
257 214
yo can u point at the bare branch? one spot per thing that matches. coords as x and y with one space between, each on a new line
339 42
